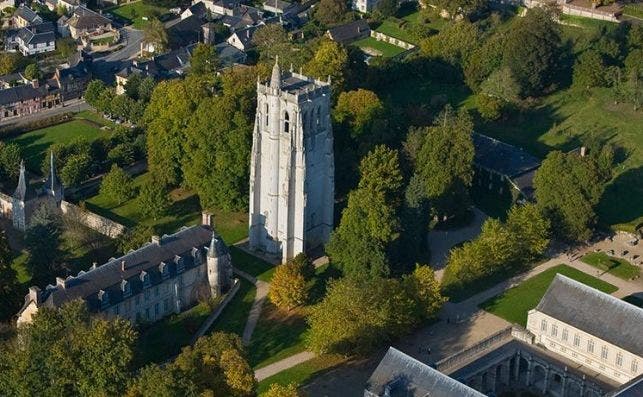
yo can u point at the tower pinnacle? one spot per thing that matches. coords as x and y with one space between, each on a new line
275 80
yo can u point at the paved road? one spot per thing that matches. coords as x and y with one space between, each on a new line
106 66
74 106
288 362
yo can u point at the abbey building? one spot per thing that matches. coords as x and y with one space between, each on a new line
292 166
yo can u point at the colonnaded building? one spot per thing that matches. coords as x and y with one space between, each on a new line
165 276
579 342
292 167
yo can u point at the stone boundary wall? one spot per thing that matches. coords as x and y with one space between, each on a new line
570 9
93 221
217 312
391 40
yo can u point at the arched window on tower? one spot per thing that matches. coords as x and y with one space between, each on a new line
266 114
318 117
286 122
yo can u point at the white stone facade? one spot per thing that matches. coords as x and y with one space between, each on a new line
292 166
583 348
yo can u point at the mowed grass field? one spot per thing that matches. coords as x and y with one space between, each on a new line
616 266
34 144
514 304
378 48
134 12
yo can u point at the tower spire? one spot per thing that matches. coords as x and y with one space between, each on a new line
275 80
52 172
21 190
213 246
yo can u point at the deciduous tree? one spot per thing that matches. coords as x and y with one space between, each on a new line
330 61
288 287
117 185
153 199
9 287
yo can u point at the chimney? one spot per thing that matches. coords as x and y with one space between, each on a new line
35 83
60 282
583 151
34 295
123 267
206 219
156 240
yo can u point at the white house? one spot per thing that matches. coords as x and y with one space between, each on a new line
592 328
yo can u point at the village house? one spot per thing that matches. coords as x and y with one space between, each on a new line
349 32
26 99
72 80
165 276
221 7
68 5
242 39
84 22
25 16
32 40
277 6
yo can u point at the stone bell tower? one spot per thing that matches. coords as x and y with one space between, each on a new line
292 168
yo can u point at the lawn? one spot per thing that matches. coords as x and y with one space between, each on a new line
634 10
378 48
185 210
302 373
166 338
408 19
616 266
514 304
134 12
234 316
585 22
252 265
34 144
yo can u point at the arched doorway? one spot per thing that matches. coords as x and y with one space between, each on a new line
556 385
538 377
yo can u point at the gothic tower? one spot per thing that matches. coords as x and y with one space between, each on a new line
20 198
292 167
219 266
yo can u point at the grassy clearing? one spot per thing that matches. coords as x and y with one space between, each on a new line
587 23
302 373
34 144
514 303
234 316
134 12
378 48
166 338
616 266
252 265
634 10
184 210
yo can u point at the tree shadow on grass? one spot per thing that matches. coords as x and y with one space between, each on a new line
621 201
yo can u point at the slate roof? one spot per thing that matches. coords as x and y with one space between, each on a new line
185 32
28 14
277 4
349 31
634 388
595 312
502 158
406 376
199 9
180 249
245 36
37 34
21 93
84 18
229 54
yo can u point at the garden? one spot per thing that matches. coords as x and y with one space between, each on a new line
373 47
138 13
617 266
514 304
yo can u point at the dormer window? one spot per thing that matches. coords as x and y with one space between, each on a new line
145 279
103 298
164 270
125 288
180 264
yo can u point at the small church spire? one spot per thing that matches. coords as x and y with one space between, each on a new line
52 172
21 190
275 80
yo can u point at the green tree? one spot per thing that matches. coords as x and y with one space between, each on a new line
502 85
330 61
155 381
32 72
445 162
77 169
490 108
204 60
388 8
153 199
272 41
288 287
568 187
132 86
66 47
42 239
484 60
589 70
93 92
10 157
134 238
423 285
461 7
277 390
370 222
68 352
117 185
358 109
145 89
9 286
331 12
454 44
154 33
11 62
531 229
533 50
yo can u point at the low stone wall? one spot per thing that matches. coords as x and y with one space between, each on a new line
570 9
93 221
391 40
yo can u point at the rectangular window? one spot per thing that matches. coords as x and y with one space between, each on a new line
604 352
565 334
619 359
576 340
157 309
156 291
635 366
554 330
147 313
543 325
590 346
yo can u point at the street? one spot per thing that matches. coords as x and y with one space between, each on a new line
107 66
74 106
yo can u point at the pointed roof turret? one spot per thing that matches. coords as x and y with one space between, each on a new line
217 247
23 192
275 80
52 185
